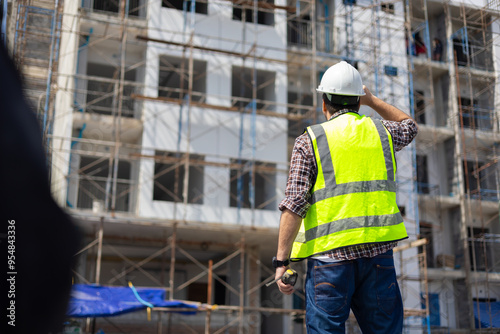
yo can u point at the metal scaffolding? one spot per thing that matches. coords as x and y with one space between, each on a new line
460 43
244 317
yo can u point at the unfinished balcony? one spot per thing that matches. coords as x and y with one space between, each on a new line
242 89
173 81
259 193
244 11
300 34
133 8
92 187
100 98
476 118
201 7
170 174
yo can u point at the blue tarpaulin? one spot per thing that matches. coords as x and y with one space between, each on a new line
100 301
489 314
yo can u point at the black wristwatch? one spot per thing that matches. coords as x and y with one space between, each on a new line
277 263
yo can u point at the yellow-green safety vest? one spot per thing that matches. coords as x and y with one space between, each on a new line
353 200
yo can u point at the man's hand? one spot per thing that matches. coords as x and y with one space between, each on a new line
287 289
367 99
384 109
289 226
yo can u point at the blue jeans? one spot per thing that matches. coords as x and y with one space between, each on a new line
368 286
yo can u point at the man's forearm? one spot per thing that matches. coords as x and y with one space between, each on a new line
384 109
289 227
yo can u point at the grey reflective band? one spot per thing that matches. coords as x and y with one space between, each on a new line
353 187
386 146
333 189
348 224
324 155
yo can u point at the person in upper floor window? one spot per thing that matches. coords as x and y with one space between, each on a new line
420 48
437 49
340 209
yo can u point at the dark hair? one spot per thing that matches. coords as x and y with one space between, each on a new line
341 102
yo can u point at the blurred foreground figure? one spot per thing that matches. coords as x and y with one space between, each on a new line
43 239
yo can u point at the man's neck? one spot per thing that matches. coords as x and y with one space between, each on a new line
341 112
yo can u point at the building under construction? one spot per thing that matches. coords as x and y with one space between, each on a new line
168 127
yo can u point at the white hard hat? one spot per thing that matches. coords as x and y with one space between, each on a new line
341 79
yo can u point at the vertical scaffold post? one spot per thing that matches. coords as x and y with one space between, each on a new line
377 39
119 94
459 151
242 286
314 75
100 235
173 244
209 296
253 124
185 190
349 29
51 62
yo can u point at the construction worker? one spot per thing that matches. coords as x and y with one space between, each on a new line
340 211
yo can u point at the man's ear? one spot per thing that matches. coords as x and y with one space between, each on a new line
325 111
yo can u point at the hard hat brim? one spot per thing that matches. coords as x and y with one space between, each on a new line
320 90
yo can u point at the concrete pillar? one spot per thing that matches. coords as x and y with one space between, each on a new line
254 279
463 285
63 111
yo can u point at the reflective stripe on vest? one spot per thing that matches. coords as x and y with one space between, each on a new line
350 211
331 187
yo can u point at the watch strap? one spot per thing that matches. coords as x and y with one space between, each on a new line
277 263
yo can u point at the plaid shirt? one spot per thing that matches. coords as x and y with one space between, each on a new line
303 172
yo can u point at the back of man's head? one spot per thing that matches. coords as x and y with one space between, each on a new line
341 86
335 103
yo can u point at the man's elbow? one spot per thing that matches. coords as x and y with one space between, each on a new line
291 214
